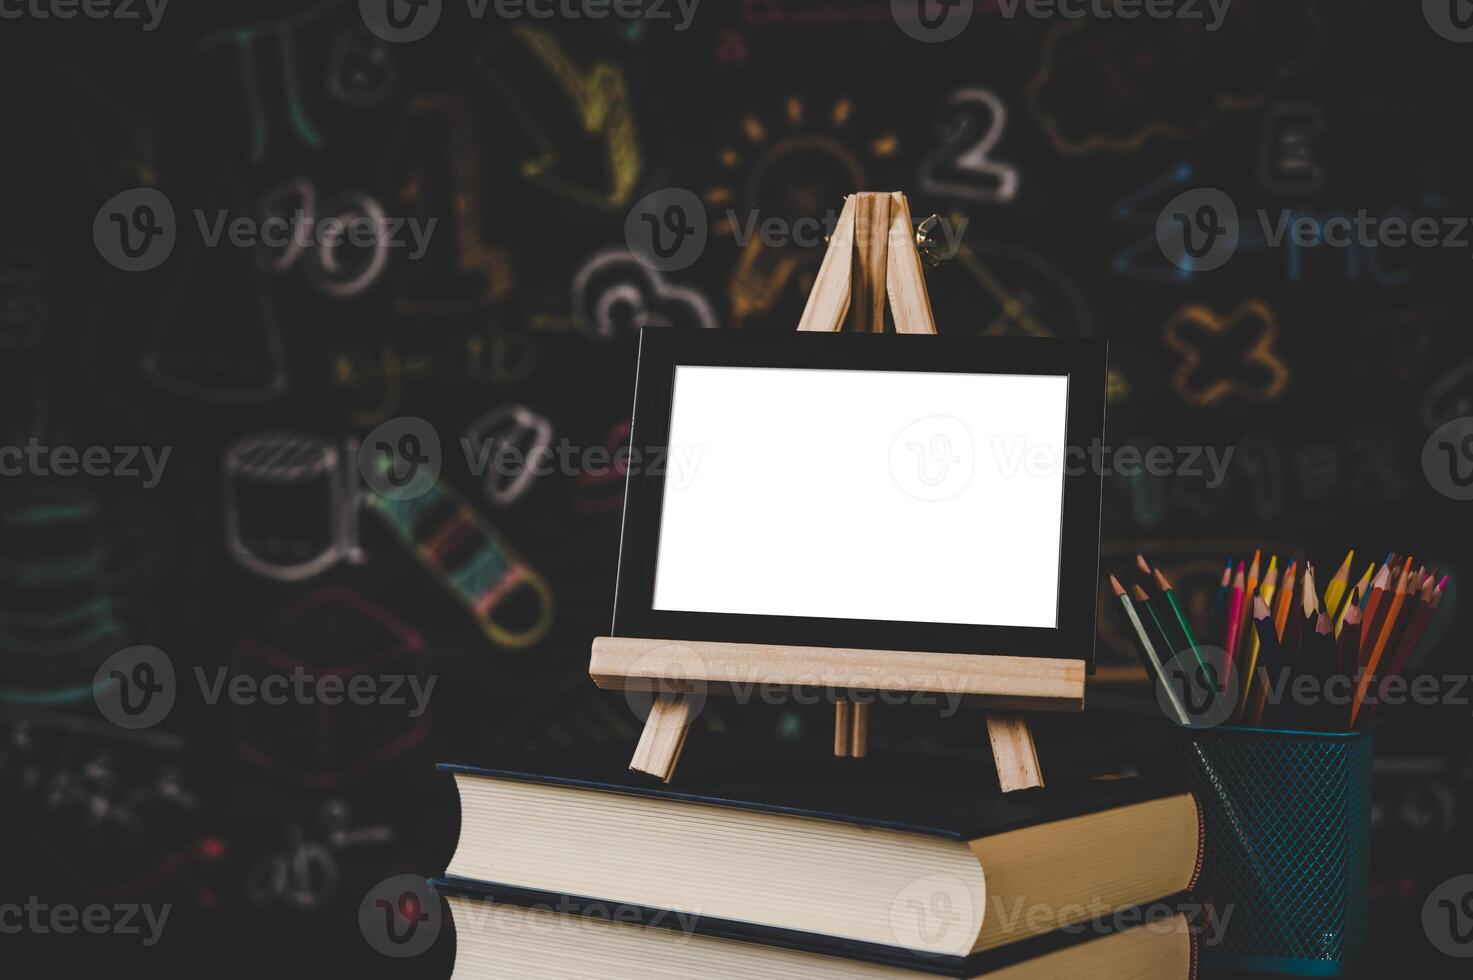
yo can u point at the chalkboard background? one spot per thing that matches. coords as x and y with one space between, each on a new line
1057 142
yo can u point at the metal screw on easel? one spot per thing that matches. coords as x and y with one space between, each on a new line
930 247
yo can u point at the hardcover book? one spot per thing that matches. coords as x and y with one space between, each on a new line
910 854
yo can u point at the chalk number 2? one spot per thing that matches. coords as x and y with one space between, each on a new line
973 122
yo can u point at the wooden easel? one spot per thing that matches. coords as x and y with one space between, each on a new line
871 254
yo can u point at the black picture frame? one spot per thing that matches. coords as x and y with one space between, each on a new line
661 350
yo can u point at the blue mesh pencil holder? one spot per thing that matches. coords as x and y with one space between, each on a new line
1288 830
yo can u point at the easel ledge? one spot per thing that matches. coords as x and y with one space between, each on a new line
674 666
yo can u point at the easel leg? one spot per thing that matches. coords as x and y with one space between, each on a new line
843 728
1014 752
851 729
859 733
663 737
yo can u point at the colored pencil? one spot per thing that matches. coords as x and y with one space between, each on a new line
1348 649
1220 605
1335 591
1310 595
1270 662
1403 622
1235 615
1250 590
1399 584
1322 667
1177 641
1160 637
1286 599
1347 641
1425 608
1361 589
1249 671
1383 635
1366 597
1180 615
1422 611
1293 637
1372 607
1148 653
1298 647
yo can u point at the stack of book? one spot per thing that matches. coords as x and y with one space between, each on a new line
762 862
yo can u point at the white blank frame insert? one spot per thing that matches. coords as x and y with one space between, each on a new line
814 492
